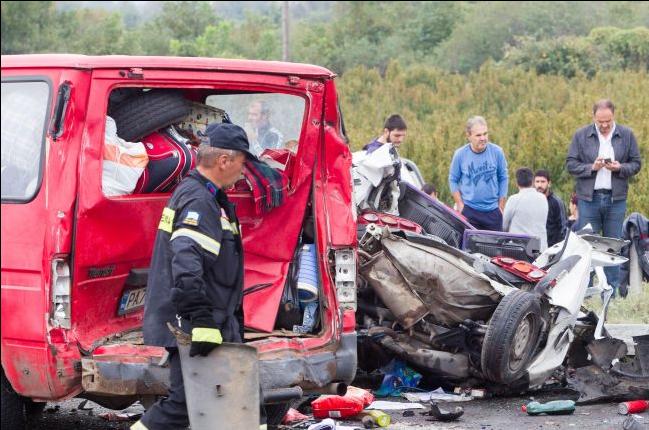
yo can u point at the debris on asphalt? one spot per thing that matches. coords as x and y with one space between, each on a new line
82 406
632 422
398 378
294 416
120 417
438 394
633 407
443 415
374 418
326 424
476 393
394 406
349 405
555 407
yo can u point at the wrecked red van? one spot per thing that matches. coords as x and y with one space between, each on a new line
75 257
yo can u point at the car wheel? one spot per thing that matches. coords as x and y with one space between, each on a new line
275 413
512 335
13 407
145 113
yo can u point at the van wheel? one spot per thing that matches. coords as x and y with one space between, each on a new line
511 337
275 413
13 407
34 409
145 113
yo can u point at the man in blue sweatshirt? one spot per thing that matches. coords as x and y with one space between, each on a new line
478 178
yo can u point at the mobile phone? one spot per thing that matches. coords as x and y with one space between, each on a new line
607 161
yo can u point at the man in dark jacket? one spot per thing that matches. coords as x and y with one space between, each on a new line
557 219
196 276
602 157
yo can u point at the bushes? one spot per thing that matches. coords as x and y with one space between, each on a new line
531 116
606 48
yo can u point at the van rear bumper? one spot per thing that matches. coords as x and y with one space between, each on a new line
135 370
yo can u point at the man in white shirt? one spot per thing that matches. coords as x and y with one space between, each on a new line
602 157
526 212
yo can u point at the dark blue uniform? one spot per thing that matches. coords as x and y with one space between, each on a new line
196 274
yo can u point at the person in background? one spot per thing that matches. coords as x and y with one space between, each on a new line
261 134
557 219
478 178
430 190
573 217
526 212
602 157
394 132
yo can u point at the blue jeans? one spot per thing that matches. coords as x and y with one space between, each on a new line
491 220
606 217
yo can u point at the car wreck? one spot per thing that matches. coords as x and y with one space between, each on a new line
475 308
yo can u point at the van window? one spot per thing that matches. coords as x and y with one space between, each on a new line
272 121
24 109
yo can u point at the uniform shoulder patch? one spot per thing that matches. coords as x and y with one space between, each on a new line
192 218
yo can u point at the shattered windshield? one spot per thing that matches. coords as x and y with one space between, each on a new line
24 107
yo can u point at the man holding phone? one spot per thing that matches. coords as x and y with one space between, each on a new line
602 157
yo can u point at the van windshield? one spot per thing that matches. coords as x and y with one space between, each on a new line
24 108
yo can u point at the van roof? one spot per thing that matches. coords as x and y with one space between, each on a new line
76 61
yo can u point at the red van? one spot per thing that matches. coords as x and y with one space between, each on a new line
75 258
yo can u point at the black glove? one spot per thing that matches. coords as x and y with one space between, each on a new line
205 337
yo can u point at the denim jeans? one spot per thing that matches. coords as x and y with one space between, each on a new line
492 220
606 217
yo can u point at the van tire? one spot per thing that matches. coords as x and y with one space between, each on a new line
13 407
512 335
34 409
145 113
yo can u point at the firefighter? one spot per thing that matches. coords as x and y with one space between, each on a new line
196 276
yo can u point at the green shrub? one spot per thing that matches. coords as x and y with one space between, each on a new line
532 116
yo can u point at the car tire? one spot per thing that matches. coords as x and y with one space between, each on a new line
275 413
512 336
145 113
13 407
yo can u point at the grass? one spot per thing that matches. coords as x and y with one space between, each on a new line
634 309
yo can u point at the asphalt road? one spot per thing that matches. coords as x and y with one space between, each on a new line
487 414
484 414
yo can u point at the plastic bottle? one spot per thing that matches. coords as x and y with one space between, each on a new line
555 407
307 280
374 418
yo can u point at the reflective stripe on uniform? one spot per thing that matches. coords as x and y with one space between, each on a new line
230 226
206 242
203 334
139 426
167 220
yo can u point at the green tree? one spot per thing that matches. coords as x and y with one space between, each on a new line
490 27
97 32
179 21
432 23
605 48
28 26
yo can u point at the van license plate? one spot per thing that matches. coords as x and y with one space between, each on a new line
132 300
